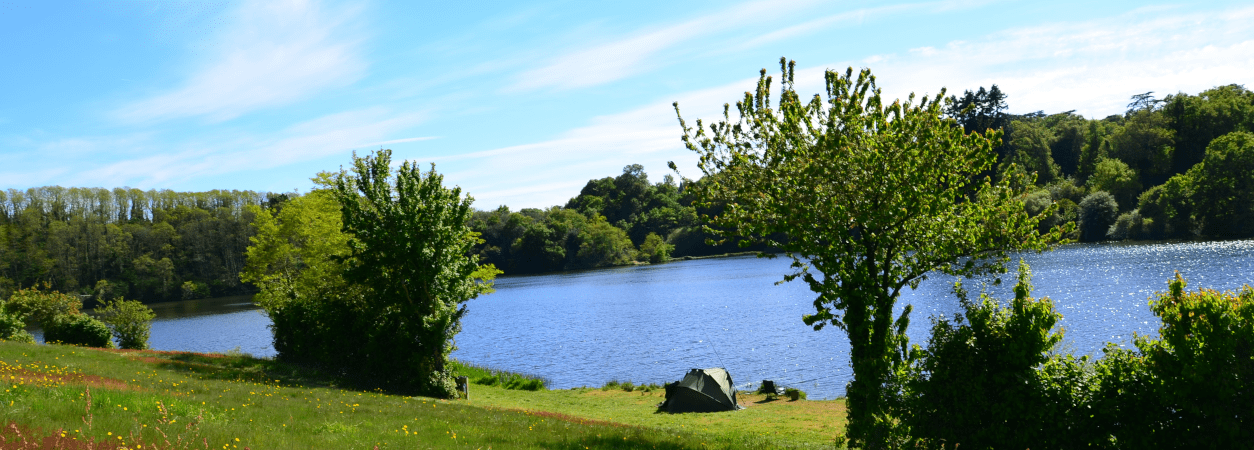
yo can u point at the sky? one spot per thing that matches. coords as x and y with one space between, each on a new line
520 103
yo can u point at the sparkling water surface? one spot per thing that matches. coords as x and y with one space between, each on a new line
653 323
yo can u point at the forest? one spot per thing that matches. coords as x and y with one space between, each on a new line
1179 167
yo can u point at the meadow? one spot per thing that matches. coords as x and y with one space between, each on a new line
66 397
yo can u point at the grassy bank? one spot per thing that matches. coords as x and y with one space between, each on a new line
65 397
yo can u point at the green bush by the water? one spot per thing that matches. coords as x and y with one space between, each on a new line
996 379
129 320
79 329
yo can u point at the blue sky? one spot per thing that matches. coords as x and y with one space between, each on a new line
521 102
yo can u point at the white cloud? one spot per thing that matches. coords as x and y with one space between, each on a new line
311 140
638 53
1092 67
275 53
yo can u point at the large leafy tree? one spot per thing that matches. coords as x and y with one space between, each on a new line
411 250
867 198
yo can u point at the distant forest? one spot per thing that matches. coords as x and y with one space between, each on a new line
1177 167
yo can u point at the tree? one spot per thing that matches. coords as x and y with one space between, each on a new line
1113 176
1098 212
1224 186
411 251
129 320
872 197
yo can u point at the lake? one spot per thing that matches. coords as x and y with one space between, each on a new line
653 323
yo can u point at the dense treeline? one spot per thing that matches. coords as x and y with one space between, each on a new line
1177 167
147 245
613 221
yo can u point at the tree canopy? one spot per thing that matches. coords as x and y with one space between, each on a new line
872 196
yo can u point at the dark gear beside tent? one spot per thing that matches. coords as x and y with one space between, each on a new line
701 390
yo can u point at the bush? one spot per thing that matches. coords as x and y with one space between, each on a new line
1098 212
194 290
1168 208
78 329
43 308
12 327
654 249
1191 387
129 320
991 382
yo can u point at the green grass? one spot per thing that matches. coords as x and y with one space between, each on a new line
240 402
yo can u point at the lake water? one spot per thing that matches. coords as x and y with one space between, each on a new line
653 323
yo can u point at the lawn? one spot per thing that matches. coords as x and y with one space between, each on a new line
70 397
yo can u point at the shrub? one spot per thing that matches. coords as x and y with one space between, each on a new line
12 327
1190 388
654 249
991 382
1098 212
78 329
129 320
194 290
43 307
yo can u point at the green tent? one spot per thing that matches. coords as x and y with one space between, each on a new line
701 390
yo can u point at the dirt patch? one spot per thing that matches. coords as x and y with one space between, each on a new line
17 437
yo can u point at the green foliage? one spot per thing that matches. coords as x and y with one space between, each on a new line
78 329
43 307
1196 120
194 290
1144 142
602 244
1115 177
655 250
1029 148
873 196
1098 212
12 327
1167 209
370 275
1223 187
129 320
142 244
1190 387
992 383
411 254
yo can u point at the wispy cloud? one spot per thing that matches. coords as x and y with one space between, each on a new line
858 16
637 53
325 136
275 53
1091 66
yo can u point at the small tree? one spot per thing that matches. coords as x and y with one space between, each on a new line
129 320
873 197
1098 212
411 250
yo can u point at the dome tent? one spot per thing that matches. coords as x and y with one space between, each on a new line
701 390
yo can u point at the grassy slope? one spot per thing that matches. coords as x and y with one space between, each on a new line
244 402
